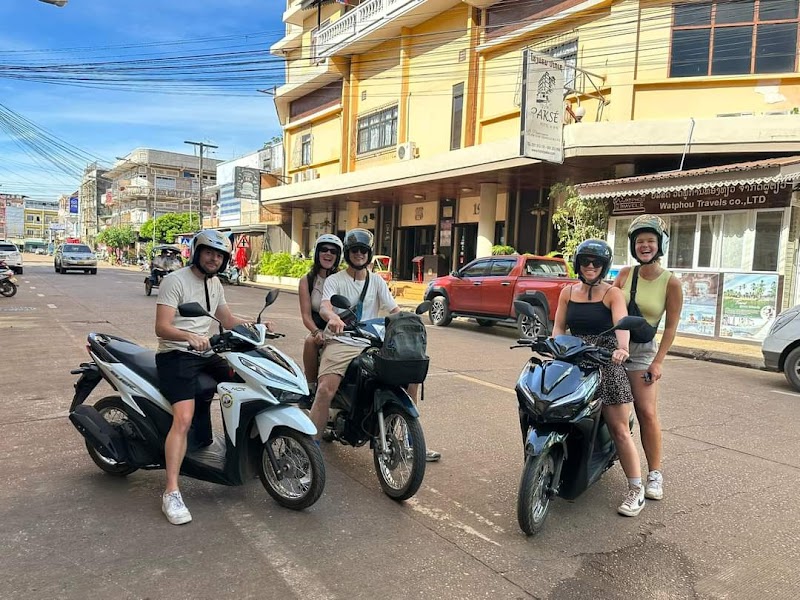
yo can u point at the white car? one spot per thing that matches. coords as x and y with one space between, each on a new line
781 347
11 255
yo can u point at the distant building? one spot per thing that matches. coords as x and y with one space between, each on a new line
93 193
38 216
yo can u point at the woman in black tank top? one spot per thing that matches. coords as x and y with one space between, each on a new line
588 308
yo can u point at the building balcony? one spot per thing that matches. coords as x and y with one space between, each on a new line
306 79
290 41
372 23
294 13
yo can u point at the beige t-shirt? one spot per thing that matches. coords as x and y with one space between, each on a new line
183 286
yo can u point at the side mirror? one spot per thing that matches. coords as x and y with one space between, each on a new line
523 308
455 274
630 322
423 307
340 302
192 309
272 295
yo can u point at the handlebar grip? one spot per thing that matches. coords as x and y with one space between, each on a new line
215 339
605 353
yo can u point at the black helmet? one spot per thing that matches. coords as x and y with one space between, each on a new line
595 249
358 238
654 224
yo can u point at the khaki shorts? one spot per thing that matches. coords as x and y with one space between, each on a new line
641 356
336 356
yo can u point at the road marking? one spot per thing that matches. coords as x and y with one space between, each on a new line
794 394
486 383
51 306
32 287
438 514
40 295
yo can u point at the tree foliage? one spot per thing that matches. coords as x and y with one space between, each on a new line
577 219
117 237
169 226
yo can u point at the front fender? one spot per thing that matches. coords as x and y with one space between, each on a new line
536 443
396 395
283 416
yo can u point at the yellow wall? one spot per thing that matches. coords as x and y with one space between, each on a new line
325 146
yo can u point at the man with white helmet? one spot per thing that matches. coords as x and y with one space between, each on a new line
178 366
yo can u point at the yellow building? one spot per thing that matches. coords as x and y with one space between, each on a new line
404 116
38 216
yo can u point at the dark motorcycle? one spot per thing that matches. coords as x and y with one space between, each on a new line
567 443
8 283
372 406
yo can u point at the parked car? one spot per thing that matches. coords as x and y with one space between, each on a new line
10 254
781 347
486 289
75 257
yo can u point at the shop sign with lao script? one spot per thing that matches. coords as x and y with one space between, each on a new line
711 197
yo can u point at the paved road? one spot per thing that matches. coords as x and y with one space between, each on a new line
728 528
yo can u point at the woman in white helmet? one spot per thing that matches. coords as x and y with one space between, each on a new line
327 256
658 292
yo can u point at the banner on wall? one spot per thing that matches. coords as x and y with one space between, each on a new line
542 110
749 305
700 295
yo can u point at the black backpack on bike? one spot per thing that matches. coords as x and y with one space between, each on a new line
402 359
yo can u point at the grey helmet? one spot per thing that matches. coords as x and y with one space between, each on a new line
653 224
595 249
358 238
210 238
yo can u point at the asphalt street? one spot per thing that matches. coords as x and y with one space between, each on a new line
727 528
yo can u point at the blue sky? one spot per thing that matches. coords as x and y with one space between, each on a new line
106 123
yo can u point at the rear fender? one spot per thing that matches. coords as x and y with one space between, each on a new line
90 376
395 395
283 416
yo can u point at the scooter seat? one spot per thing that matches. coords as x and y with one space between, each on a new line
140 360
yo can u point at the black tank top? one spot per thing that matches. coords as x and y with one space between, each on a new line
588 318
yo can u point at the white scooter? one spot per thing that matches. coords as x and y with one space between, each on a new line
263 429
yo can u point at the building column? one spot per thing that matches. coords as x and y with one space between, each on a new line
298 217
486 220
352 215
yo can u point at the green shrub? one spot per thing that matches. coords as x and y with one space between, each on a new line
282 264
502 250
300 267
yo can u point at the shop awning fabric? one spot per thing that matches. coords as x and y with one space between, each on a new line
775 170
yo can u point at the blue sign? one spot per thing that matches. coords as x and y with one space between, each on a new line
73 205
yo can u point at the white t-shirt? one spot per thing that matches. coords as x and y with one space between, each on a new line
183 286
377 299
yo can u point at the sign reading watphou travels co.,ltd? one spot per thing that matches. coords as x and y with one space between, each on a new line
542 110
705 199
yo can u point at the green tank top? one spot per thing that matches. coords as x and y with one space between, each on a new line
651 296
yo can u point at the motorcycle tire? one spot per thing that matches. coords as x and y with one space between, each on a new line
302 469
115 411
8 289
533 499
401 472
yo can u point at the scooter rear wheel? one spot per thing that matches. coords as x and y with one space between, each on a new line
401 470
113 410
8 289
302 471
533 500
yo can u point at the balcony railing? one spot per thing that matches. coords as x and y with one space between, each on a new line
354 23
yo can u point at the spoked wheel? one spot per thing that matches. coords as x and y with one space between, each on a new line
402 469
302 472
535 491
7 288
113 410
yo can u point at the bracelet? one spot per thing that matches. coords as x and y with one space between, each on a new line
315 332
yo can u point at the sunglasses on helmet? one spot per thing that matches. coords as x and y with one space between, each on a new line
329 250
586 261
360 250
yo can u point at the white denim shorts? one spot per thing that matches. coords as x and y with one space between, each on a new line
641 356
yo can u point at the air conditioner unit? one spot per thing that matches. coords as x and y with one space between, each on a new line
406 151
297 177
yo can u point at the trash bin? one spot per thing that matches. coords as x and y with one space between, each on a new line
417 270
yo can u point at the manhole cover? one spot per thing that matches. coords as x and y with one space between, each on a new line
16 308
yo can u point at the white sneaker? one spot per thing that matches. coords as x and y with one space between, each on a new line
633 503
654 489
175 510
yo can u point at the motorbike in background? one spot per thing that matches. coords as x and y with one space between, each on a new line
567 443
8 283
263 430
232 276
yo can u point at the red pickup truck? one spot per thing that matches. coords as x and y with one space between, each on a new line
486 289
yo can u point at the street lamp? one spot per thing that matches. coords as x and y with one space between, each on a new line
58 3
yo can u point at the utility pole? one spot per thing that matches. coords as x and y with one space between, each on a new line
202 146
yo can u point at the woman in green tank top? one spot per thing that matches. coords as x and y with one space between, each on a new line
658 292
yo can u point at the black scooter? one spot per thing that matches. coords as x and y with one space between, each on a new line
567 443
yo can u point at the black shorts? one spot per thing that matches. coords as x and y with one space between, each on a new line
187 376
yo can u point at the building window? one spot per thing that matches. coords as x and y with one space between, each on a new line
457 116
29 218
165 183
567 52
378 130
733 38
30 232
305 150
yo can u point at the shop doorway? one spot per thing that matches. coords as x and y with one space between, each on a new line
412 241
466 244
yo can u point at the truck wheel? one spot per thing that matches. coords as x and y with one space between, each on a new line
791 368
439 313
529 329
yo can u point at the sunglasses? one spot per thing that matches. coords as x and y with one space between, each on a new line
586 261
328 250
359 250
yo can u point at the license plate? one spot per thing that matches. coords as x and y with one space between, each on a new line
12 279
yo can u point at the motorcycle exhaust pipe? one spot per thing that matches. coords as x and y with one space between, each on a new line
99 433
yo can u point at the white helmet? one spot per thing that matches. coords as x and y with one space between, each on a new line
211 238
328 238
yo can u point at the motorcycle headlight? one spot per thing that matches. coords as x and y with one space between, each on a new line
272 377
563 407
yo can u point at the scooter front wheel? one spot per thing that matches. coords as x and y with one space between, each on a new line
402 469
533 500
300 478
8 289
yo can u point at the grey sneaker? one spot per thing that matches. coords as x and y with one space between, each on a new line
175 510
432 456
654 489
633 503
